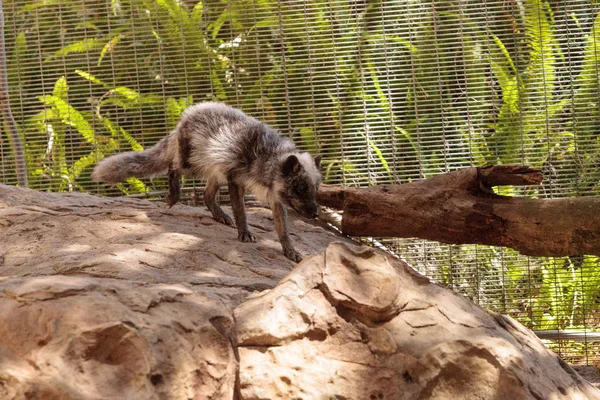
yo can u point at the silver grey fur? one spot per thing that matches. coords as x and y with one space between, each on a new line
223 145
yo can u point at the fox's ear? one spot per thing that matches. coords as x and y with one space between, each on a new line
291 165
318 161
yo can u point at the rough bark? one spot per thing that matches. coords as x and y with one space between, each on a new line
120 298
460 207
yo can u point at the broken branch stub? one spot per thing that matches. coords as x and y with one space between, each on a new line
461 208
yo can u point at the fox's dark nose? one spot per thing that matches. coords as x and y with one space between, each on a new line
314 211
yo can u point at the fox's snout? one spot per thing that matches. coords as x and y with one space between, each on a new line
311 212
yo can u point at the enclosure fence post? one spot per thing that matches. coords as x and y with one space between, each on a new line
9 120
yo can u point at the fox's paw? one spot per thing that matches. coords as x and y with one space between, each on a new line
224 219
292 255
246 237
171 201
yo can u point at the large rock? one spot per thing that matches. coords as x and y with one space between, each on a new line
117 298
125 299
355 323
123 238
74 338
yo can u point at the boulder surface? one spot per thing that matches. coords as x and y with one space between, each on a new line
355 323
106 298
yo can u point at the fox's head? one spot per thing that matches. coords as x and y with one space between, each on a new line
301 179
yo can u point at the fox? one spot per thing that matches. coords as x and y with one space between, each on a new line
224 146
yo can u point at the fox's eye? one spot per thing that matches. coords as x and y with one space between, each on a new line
301 188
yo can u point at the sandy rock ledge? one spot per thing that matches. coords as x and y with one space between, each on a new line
125 299
88 338
355 323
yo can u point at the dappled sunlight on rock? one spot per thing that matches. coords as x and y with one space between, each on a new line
84 338
355 323
123 238
125 299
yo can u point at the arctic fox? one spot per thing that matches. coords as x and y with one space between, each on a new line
225 146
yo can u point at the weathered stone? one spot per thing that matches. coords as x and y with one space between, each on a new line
363 325
124 238
64 337
116 298
125 299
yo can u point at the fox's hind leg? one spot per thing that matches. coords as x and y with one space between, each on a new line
210 199
174 188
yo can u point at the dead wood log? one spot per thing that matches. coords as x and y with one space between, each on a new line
460 207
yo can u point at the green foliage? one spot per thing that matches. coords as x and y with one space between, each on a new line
528 94
82 46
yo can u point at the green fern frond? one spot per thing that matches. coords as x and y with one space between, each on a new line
109 46
70 116
90 77
86 161
82 46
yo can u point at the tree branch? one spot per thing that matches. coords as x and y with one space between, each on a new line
460 207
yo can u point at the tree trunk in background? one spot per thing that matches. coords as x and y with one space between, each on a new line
9 120
461 208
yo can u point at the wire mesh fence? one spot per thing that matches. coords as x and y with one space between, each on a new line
389 91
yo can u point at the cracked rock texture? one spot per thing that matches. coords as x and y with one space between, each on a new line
355 323
112 298
87 338
124 299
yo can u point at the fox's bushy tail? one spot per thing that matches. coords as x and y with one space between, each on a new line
139 164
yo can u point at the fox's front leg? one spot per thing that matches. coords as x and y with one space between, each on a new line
236 194
280 220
